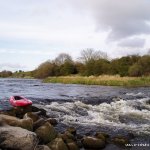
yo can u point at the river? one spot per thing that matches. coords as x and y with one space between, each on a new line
115 110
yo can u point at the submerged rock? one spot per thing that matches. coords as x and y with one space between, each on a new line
52 121
42 111
72 130
17 138
102 136
93 143
120 140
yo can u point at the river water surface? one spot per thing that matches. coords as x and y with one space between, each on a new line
115 110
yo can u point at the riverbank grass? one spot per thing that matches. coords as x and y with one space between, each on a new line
101 80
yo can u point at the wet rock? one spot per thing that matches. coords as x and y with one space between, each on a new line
79 136
10 120
42 111
114 147
27 124
11 112
46 133
20 111
79 143
57 144
17 138
34 116
38 123
42 147
52 121
93 143
13 121
72 130
102 136
120 140
131 135
105 135
68 137
72 146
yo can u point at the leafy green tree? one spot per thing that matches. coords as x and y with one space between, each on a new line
121 65
144 62
80 68
44 70
67 68
5 74
101 66
135 70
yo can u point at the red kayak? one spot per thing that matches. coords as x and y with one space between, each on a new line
19 101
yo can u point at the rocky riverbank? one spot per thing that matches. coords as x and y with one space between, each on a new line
31 128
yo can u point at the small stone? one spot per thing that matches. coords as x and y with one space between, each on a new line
52 121
72 130
102 136
72 146
93 143
120 140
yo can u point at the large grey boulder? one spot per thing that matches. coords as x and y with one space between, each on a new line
17 138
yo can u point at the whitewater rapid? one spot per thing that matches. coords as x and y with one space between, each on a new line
131 115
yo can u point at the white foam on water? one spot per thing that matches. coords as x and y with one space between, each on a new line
106 114
135 94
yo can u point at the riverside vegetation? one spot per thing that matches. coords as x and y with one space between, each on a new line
101 80
92 67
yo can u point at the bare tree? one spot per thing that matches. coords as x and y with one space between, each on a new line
91 54
62 58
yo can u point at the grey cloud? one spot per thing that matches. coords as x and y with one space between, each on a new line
132 43
123 19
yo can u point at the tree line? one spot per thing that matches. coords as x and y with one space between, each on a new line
91 62
95 63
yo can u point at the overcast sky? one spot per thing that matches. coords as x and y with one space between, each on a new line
33 31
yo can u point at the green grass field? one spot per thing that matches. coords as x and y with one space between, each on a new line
101 80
